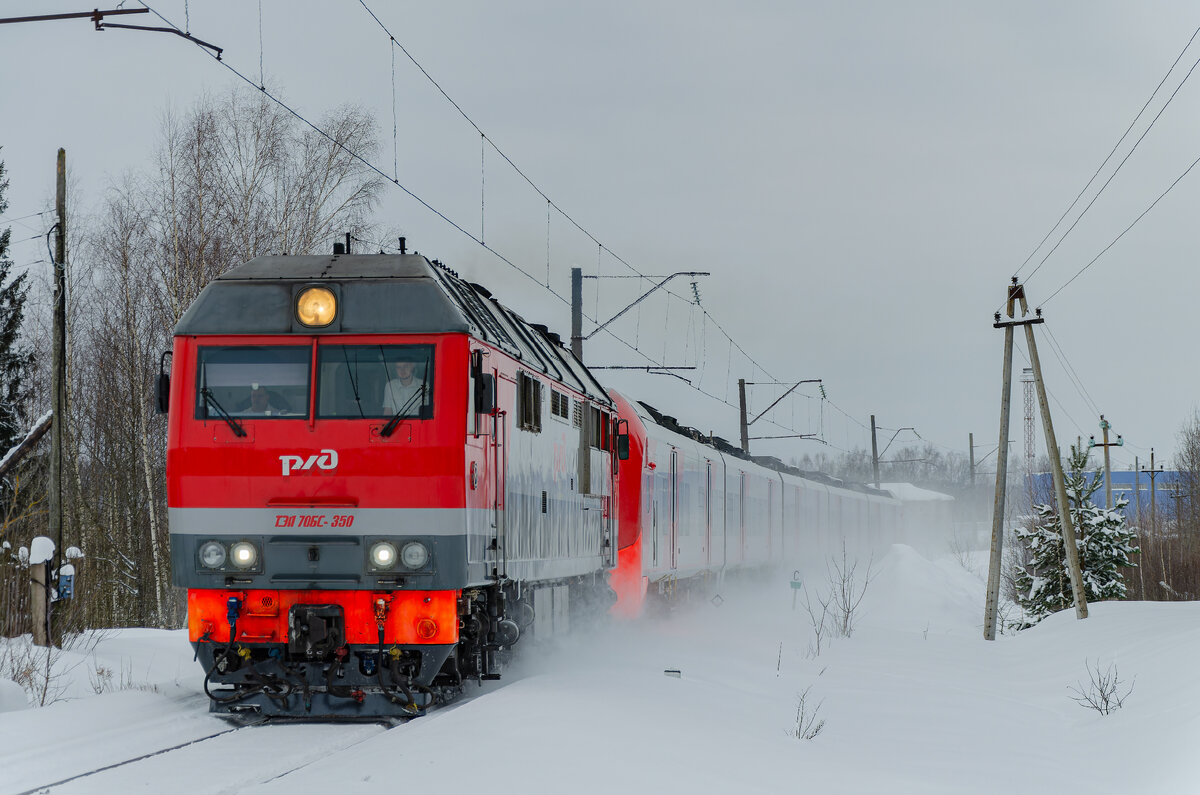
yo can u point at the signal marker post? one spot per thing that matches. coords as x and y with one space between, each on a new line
1016 294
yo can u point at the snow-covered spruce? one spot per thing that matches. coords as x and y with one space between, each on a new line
1105 542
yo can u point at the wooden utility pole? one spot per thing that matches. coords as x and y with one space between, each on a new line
1104 426
1074 568
39 608
995 560
1016 295
874 453
1137 490
971 447
58 355
40 579
1153 473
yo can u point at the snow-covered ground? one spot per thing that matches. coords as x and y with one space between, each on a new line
914 702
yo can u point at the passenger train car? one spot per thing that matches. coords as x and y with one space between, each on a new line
380 479
693 507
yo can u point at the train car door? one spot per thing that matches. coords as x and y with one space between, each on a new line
770 517
708 512
742 517
674 527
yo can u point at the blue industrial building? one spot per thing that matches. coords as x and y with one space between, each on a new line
1133 486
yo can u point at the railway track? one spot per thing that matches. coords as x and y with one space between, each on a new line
269 747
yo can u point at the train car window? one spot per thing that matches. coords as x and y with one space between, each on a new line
261 382
530 407
374 381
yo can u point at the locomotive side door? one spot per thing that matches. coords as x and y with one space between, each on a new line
491 399
506 397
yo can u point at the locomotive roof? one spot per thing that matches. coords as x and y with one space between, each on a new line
378 294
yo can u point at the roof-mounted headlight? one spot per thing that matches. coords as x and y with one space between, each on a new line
316 307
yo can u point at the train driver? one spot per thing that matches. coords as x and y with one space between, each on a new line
262 401
402 389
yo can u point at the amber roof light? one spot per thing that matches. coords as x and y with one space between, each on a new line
316 307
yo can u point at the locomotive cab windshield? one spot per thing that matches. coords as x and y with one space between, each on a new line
353 381
266 382
375 381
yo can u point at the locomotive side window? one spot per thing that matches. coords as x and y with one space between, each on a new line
529 391
374 381
253 381
596 429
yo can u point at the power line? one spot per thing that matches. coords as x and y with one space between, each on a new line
1126 229
1052 396
1114 174
1057 349
7 220
1116 146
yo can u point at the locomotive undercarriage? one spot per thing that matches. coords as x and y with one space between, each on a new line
315 675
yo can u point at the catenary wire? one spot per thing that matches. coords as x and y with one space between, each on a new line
458 227
1113 151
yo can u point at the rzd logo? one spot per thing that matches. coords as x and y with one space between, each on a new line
326 459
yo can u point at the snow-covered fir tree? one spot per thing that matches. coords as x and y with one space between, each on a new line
1105 543
14 359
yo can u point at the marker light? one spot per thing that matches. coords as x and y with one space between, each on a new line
383 555
427 629
244 554
212 554
414 555
316 307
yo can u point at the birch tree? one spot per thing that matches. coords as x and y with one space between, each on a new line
232 178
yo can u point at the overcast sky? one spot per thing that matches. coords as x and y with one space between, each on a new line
861 180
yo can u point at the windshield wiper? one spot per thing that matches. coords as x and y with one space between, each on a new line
352 374
388 429
237 429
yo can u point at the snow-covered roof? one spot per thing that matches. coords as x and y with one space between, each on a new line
907 492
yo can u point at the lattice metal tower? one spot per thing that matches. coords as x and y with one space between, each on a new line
1027 381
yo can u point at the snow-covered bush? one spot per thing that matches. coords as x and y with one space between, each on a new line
1042 583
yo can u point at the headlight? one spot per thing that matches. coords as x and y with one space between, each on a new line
414 555
383 555
212 554
244 554
316 306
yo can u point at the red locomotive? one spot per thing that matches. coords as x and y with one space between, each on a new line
380 479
